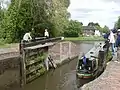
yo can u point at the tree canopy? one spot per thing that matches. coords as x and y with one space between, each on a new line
74 29
105 29
117 24
23 15
93 24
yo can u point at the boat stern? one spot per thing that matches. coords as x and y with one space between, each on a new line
84 76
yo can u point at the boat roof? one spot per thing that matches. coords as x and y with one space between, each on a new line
94 51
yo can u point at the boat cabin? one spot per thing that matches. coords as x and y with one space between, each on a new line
90 63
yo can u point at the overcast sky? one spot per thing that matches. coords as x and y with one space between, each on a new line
4 3
105 12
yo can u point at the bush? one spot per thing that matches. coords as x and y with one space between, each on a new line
74 29
70 33
2 41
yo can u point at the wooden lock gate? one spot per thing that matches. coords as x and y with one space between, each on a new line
33 55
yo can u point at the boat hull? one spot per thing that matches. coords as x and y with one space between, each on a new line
84 76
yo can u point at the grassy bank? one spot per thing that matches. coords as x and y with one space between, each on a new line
3 44
8 45
90 38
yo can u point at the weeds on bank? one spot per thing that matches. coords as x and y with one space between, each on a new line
89 38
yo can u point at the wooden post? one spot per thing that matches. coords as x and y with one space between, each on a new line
23 69
69 54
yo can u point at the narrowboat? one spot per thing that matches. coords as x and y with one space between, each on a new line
94 62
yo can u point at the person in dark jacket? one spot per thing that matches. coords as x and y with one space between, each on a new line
106 35
118 39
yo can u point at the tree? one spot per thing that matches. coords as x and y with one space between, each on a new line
2 11
74 29
117 24
96 24
17 20
93 24
59 15
23 15
105 29
81 23
90 24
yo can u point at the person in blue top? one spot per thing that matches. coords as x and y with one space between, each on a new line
106 35
84 60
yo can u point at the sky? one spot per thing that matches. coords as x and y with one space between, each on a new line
4 3
105 12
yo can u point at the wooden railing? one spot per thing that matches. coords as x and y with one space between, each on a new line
37 41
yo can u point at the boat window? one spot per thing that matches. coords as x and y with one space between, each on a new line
91 52
94 64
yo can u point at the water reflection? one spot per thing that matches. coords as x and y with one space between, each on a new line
81 82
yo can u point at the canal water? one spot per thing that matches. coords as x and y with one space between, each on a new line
62 78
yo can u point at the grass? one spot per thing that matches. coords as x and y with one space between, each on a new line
3 44
89 38
8 45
